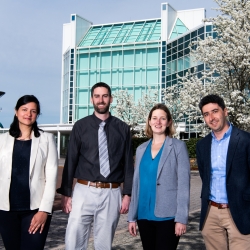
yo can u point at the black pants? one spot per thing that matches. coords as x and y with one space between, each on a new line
158 235
14 227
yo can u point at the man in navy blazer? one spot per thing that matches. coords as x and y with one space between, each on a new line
223 159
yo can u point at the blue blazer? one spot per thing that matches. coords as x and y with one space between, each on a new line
237 177
173 182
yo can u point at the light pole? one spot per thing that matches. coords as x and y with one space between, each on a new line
1 94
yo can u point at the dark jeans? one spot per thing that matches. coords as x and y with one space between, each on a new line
14 227
158 235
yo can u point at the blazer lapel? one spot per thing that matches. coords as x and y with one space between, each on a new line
33 153
233 143
207 157
10 143
140 153
165 152
9 146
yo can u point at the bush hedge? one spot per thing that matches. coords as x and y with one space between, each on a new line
191 145
137 141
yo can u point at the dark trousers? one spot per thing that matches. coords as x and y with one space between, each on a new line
14 227
158 235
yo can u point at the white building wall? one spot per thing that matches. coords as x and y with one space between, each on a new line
74 31
172 13
82 26
66 37
168 17
192 18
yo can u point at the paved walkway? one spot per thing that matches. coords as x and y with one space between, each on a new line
123 241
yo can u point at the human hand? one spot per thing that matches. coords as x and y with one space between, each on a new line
38 221
180 229
125 204
132 228
66 203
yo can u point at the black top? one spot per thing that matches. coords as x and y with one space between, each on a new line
82 161
19 187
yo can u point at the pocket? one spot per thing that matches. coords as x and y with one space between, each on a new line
42 151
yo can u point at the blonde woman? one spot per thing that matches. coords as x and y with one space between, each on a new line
160 195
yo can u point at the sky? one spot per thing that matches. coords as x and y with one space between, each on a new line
31 44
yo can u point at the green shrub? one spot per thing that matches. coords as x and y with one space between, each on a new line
191 146
137 141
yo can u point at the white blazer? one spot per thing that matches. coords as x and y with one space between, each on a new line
42 173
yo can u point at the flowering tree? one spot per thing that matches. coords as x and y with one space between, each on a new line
131 112
227 73
182 99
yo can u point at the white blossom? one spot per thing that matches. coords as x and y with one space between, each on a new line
227 73
134 113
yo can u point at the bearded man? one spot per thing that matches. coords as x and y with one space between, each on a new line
100 158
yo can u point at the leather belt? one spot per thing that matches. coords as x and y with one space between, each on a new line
219 205
99 184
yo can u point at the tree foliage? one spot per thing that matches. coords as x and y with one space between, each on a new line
227 72
132 112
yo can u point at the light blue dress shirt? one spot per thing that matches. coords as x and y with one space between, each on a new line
218 192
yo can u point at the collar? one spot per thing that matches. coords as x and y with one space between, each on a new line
98 120
226 135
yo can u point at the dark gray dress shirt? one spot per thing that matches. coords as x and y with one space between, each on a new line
82 161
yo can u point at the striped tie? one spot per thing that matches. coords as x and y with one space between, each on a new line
103 151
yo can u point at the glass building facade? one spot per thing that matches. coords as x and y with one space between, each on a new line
133 55
125 55
177 61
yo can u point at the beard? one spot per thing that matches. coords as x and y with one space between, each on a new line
103 110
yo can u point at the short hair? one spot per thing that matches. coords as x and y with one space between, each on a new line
14 127
212 99
100 84
169 130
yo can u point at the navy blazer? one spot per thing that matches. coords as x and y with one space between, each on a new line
237 177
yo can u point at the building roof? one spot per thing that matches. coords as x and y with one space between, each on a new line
129 32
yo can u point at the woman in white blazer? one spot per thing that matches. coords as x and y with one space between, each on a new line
160 194
28 174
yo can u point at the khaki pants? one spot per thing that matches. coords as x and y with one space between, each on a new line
220 232
98 205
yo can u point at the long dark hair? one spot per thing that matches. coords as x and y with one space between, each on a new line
14 127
